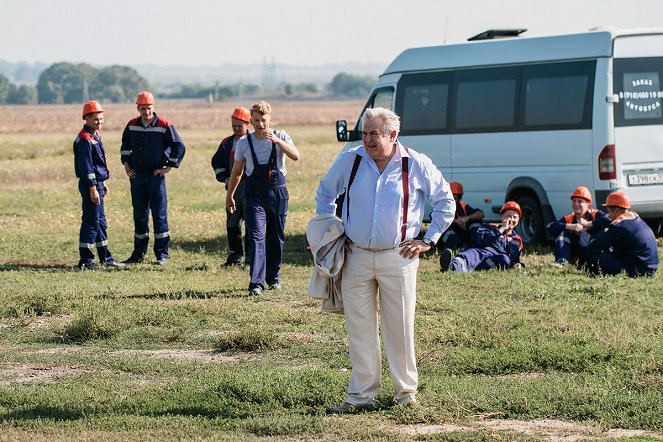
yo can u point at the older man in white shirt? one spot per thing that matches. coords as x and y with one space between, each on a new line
385 186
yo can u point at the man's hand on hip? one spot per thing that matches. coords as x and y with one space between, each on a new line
411 248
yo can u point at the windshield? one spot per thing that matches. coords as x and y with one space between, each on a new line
637 82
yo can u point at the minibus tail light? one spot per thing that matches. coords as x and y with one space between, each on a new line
607 163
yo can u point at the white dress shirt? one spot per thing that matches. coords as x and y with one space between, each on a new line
376 199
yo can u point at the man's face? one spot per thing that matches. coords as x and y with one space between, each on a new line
510 214
95 120
580 206
239 127
377 145
146 111
458 197
613 212
260 122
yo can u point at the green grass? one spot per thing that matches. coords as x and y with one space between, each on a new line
180 352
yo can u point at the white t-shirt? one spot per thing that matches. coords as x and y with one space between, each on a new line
263 149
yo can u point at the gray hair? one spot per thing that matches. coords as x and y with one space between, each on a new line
390 121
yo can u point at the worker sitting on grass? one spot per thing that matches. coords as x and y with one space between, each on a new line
573 232
628 244
497 246
467 220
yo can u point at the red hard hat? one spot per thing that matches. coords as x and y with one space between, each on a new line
91 107
456 188
144 98
242 113
582 192
511 205
618 199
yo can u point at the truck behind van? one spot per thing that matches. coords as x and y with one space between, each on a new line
530 119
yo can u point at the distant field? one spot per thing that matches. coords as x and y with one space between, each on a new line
185 114
181 353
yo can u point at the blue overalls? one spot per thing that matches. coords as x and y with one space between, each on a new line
146 149
627 245
457 238
570 246
494 250
90 167
266 209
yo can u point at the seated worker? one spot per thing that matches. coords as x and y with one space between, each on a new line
628 244
496 247
572 232
462 232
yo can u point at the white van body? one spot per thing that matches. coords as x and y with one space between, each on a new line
530 119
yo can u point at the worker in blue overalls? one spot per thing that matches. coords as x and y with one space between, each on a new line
462 232
497 247
92 173
151 147
263 154
627 245
222 163
573 232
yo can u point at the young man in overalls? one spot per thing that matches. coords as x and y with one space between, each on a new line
263 153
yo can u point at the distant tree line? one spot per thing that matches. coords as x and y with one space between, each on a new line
77 83
14 94
349 85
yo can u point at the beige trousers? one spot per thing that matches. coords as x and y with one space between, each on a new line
383 279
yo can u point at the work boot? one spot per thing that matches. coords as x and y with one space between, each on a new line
134 259
445 260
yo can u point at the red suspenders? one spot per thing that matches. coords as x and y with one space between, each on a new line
406 189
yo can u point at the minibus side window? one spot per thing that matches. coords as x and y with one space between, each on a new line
558 96
637 82
486 100
423 102
383 97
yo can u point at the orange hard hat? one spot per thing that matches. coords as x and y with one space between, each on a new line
91 107
144 98
456 188
618 199
242 113
582 192
511 205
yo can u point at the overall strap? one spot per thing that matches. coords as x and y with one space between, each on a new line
355 166
406 193
253 152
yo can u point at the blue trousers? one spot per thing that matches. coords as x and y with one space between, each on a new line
266 210
480 259
148 193
567 246
608 264
93 227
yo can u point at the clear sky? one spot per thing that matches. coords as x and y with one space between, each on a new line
303 32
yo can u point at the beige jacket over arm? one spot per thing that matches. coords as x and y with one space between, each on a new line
326 236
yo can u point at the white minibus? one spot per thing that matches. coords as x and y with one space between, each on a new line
530 119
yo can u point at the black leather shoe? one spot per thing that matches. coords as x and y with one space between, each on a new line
348 408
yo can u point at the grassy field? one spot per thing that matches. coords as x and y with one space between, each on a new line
180 353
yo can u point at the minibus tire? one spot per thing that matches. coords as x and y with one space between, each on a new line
530 228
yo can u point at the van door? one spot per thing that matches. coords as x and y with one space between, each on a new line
638 151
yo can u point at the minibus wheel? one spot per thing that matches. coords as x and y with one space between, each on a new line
530 228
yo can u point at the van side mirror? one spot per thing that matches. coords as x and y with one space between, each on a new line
341 130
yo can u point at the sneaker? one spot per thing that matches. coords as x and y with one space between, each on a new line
274 286
161 261
133 259
348 408
86 266
445 260
255 291
559 263
113 264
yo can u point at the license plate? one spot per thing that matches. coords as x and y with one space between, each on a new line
641 179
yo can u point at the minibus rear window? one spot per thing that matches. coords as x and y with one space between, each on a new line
638 83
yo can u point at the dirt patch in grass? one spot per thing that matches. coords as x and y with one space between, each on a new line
188 355
37 373
548 429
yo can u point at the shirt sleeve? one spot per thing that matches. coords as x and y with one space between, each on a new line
442 200
84 163
177 148
125 149
556 227
220 164
332 185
